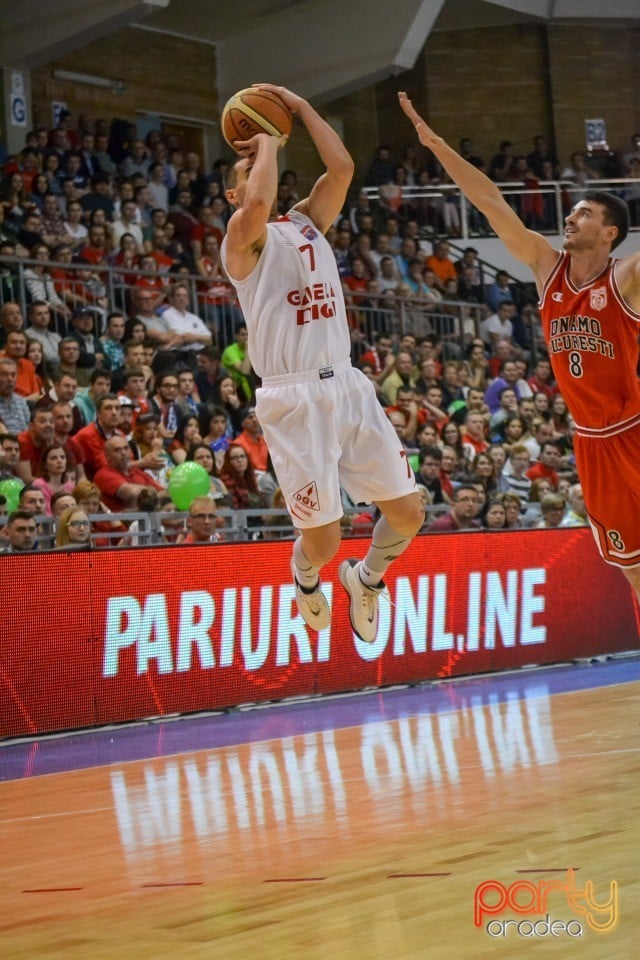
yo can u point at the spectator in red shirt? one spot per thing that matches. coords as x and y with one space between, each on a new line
33 442
206 227
63 428
542 379
474 439
96 250
119 481
547 465
182 218
92 438
355 289
28 383
448 467
380 356
252 440
159 244
150 280
135 387
463 512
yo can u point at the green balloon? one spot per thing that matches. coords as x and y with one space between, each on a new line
186 482
10 489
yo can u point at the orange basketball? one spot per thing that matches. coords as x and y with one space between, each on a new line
253 111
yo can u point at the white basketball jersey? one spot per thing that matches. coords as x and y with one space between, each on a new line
292 301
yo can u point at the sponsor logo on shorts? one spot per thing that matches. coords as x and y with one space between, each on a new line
307 496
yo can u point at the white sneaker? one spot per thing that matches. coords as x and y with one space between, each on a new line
363 606
313 607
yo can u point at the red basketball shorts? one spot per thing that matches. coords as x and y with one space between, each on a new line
609 471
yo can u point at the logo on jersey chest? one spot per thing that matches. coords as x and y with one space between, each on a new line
316 302
598 298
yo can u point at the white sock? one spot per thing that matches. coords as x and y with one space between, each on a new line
306 574
386 545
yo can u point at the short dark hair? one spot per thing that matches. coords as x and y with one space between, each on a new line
210 353
102 400
20 514
464 486
99 374
616 212
163 375
550 443
61 374
147 500
132 372
430 450
38 303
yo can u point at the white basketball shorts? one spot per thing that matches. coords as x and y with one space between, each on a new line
326 429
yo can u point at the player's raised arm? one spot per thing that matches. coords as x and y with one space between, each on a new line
525 245
252 189
329 193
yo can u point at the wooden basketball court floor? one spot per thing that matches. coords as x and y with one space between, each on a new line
349 827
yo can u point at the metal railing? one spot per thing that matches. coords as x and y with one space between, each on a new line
136 529
454 321
213 301
542 208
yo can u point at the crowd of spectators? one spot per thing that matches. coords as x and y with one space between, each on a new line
526 176
104 390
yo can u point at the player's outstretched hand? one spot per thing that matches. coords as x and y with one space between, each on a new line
426 136
292 100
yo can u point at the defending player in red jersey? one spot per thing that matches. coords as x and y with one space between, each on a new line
590 308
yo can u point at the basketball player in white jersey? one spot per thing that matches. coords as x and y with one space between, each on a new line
320 417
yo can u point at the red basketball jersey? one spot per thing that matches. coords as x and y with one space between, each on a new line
592 335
